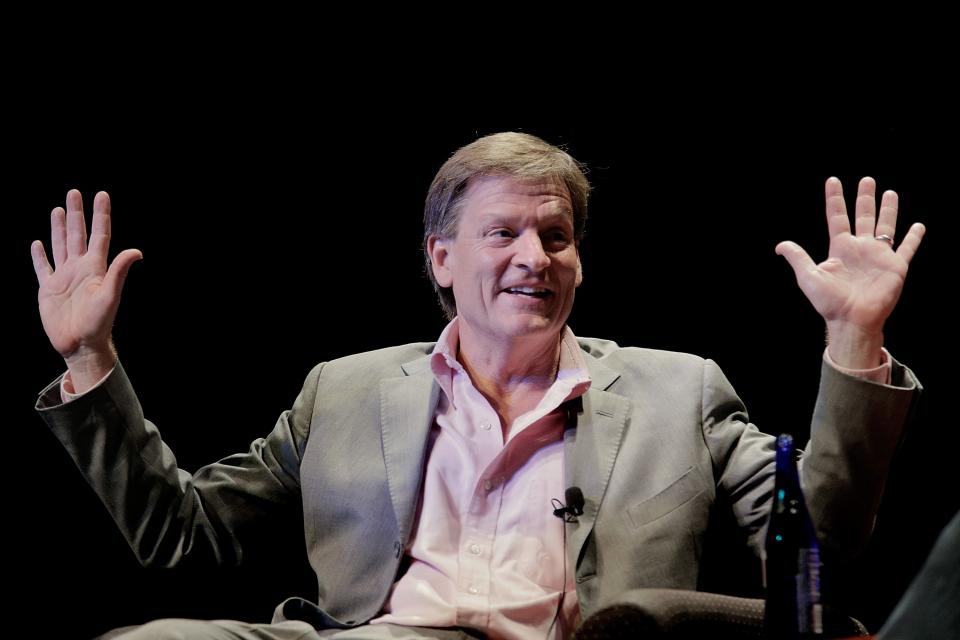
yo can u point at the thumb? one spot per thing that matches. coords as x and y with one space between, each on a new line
796 256
117 273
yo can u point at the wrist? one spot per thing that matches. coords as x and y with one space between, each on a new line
854 347
87 366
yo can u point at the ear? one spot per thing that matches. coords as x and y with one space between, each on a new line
579 271
439 259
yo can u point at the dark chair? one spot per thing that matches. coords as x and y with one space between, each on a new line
674 613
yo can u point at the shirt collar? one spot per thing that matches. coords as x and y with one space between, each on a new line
572 373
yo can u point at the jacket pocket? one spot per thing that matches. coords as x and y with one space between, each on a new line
678 493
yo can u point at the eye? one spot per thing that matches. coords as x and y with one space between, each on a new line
500 232
556 238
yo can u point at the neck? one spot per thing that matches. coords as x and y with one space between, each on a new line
501 369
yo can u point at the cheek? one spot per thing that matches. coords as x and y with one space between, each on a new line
570 270
490 267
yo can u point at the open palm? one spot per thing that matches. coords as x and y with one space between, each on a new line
79 299
860 281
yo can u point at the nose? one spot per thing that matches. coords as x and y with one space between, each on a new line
530 254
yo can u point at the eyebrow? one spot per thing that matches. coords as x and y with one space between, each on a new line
564 213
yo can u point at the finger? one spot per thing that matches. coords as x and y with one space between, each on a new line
887 222
119 268
911 241
837 221
799 259
865 210
100 227
41 265
76 225
58 235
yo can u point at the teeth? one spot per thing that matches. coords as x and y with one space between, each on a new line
528 290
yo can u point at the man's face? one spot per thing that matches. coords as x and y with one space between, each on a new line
513 265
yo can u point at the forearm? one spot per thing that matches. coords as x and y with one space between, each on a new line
856 430
124 460
166 514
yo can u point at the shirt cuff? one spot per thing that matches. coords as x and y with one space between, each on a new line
67 393
882 374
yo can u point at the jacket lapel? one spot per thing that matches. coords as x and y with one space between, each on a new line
591 443
407 407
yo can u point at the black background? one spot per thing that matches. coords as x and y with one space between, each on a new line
281 227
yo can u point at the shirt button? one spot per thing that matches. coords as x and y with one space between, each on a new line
488 484
473 590
476 549
486 426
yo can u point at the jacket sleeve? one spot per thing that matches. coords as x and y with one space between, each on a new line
856 428
166 514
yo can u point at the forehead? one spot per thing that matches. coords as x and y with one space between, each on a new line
503 195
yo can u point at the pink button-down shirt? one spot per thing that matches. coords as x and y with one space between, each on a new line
487 551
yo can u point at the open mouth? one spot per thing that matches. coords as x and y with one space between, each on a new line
531 292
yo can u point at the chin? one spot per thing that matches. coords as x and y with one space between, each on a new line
533 326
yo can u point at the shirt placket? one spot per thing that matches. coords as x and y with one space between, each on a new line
479 523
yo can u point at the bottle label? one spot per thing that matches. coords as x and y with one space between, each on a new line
809 611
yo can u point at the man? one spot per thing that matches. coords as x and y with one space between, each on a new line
425 471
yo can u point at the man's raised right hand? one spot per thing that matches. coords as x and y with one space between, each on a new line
79 296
